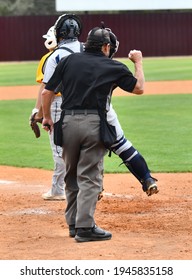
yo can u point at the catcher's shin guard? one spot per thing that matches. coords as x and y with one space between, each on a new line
137 165
128 165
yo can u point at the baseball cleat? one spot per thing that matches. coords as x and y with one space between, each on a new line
150 186
152 190
50 196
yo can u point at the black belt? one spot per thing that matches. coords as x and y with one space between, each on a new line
81 112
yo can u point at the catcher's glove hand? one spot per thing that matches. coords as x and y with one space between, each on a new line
33 124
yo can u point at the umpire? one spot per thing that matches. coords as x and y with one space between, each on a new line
88 79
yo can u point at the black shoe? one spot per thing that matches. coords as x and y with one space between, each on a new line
72 230
150 186
92 234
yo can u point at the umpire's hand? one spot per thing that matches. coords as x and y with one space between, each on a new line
47 124
135 56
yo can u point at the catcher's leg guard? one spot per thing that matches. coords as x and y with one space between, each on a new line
135 163
132 159
148 183
138 167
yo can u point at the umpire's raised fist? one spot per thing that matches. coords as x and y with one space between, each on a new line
135 56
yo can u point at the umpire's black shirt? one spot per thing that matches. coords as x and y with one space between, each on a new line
88 79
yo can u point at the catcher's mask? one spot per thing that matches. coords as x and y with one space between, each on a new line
50 42
114 43
68 26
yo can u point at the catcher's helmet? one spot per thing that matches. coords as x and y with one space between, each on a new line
68 26
50 42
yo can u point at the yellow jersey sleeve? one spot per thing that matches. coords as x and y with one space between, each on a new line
39 72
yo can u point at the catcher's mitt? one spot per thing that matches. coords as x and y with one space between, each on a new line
34 126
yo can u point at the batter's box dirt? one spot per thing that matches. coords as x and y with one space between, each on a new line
150 228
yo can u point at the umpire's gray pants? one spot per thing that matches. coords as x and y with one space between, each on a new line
83 155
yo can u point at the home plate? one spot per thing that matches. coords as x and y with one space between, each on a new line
29 211
118 195
3 182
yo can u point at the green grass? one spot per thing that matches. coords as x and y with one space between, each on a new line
18 145
16 74
164 68
156 69
159 126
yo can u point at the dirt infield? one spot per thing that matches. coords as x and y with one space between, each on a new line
165 87
143 228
